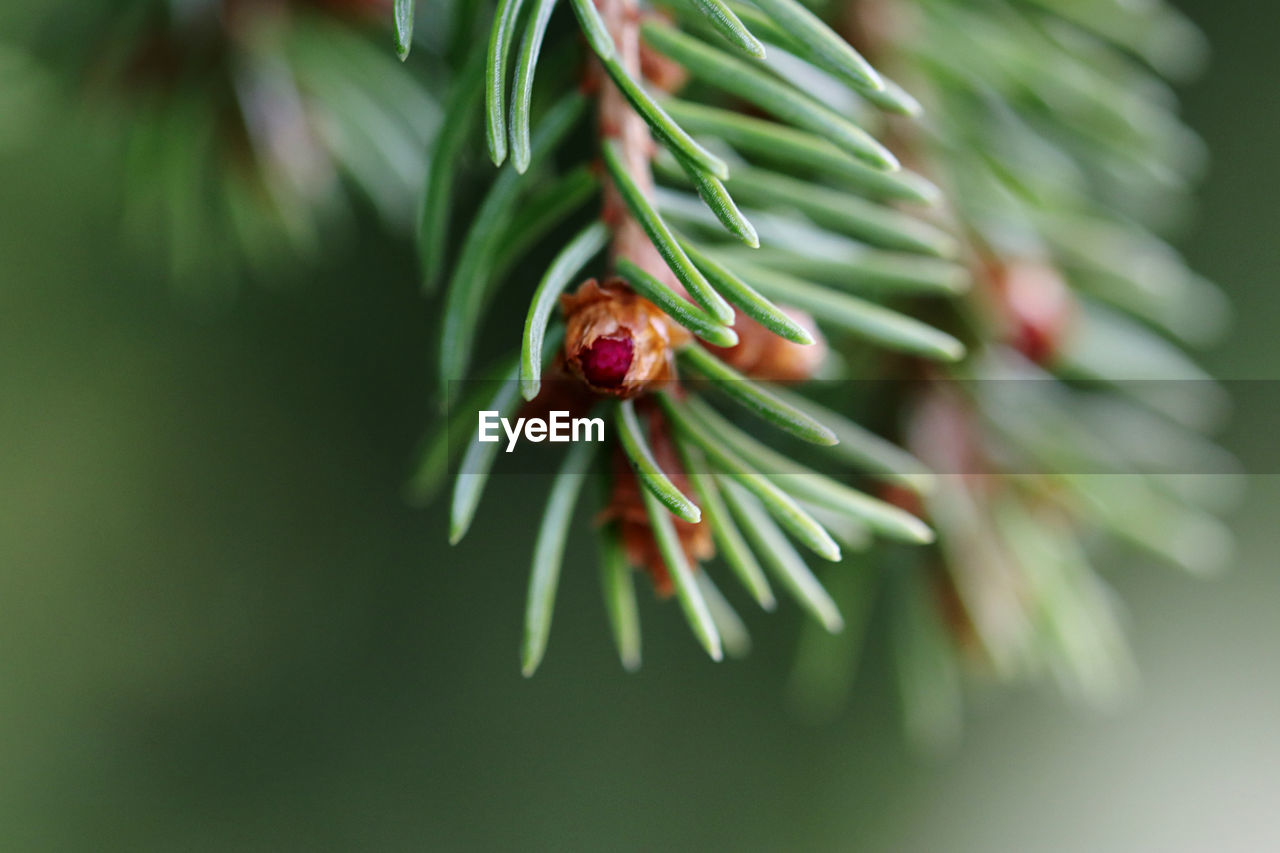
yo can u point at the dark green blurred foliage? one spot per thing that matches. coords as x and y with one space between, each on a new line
221 628
246 137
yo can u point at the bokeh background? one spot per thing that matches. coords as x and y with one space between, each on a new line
223 629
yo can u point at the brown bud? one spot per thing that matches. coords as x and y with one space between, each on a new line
761 354
944 433
660 71
626 506
1037 308
903 498
615 341
873 24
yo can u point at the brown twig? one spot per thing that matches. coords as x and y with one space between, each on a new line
618 121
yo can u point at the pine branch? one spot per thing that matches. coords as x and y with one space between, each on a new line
970 194
619 122
805 240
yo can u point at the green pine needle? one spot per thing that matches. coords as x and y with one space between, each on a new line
822 46
733 549
465 298
675 137
895 99
751 303
676 306
725 22
892 98
477 462
756 397
548 554
858 316
619 590
662 237
874 223
844 264
438 448
806 484
786 146
687 592
560 274
437 200
734 636
478 458
928 672
826 665
781 505
495 78
522 97
863 449
545 209
720 203
651 477
404 27
766 92
787 564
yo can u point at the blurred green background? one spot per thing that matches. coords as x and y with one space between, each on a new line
221 628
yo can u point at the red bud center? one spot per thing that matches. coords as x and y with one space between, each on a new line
606 362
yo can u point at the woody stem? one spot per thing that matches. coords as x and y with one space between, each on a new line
619 122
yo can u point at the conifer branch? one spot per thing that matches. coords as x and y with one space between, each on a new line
778 238
623 125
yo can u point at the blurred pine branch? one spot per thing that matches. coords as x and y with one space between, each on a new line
966 194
